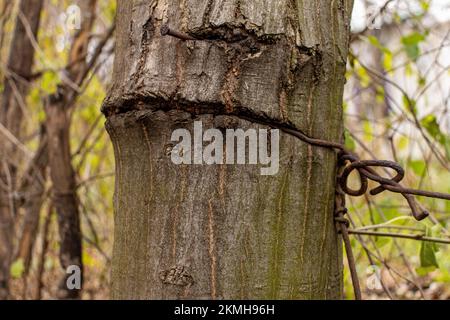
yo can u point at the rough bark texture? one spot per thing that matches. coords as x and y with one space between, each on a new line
19 67
225 231
57 108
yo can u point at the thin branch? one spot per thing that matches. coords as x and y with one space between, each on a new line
8 135
419 237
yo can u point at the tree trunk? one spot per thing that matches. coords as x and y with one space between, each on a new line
62 175
223 231
18 71
32 191
64 192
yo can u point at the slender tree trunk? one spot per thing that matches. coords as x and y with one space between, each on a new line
32 191
223 231
64 192
19 67
57 108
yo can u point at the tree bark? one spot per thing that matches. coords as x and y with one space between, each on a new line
19 67
222 231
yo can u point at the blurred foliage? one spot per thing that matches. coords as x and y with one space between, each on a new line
396 105
93 156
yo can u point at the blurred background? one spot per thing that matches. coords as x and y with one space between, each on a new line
396 108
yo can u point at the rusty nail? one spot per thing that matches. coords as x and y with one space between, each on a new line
167 31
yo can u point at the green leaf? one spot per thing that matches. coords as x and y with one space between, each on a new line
425 5
421 81
428 253
49 82
368 130
418 166
380 94
383 241
387 61
447 146
409 104
374 41
412 51
431 124
413 39
389 212
17 269
89 260
411 44
403 143
349 142
424 271
363 77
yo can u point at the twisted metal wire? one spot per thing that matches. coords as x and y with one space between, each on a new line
347 163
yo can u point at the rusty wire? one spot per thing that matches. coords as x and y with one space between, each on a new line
350 161
347 163
342 225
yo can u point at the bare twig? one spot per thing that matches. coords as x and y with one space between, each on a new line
419 237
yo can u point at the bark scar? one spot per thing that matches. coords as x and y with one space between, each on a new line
177 276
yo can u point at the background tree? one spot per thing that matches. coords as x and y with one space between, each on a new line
18 73
69 56
58 107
